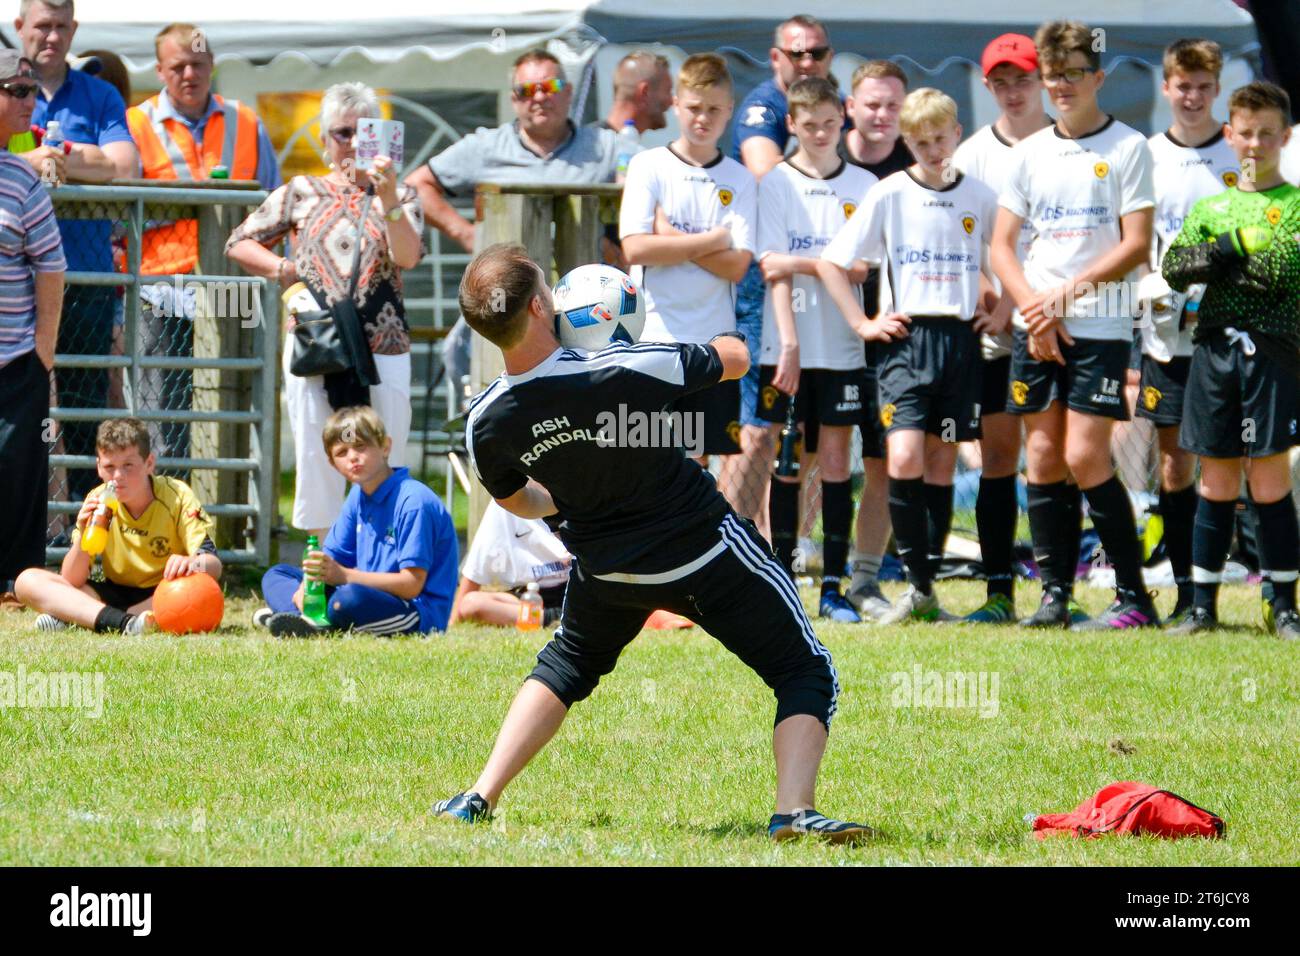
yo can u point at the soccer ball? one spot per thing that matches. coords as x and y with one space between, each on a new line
597 305
191 603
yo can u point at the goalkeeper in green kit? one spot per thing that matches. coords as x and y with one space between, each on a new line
1239 253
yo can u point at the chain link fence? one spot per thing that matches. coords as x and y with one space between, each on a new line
156 325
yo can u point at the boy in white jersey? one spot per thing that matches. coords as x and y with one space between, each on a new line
687 218
929 226
808 350
1190 160
1085 184
1010 66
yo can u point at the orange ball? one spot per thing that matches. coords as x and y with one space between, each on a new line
191 603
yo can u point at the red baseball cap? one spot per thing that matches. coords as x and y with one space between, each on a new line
1014 48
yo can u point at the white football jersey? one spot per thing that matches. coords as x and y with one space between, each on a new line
1075 191
1183 174
685 302
512 552
931 243
799 215
987 156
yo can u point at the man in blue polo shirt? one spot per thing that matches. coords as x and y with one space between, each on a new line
389 562
92 119
542 145
801 47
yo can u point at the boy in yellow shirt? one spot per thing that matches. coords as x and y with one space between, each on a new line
159 531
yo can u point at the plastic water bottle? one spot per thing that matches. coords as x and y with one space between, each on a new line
629 144
95 538
53 135
314 605
530 608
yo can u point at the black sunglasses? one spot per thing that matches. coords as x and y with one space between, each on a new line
19 91
818 53
343 134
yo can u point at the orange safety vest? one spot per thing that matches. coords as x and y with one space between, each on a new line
168 151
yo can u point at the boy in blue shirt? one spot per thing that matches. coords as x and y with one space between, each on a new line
389 562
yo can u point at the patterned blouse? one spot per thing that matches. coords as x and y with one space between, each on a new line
321 216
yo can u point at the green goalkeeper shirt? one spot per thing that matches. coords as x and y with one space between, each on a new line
1258 293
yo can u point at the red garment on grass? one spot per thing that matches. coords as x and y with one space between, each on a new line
1130 807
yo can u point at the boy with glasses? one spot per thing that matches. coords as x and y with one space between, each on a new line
1085 184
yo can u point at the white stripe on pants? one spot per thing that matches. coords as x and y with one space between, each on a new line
318 489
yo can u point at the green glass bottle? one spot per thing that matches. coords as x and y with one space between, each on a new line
315 608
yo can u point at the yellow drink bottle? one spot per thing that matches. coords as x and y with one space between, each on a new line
95 538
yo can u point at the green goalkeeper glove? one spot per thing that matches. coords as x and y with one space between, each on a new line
1245 241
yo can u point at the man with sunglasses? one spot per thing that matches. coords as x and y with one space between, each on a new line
31 295
800 48
92 118
541 145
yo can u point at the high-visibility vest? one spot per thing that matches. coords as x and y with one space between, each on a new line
167 151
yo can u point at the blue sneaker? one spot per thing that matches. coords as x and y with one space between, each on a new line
837 607
791 826
466 807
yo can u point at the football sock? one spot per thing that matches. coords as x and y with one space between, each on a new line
911 528
995 521
837 517
1046 514
938 509
1071 528
783 513
1112 516
1178 512
866 569
111 619
1279 549
1211 538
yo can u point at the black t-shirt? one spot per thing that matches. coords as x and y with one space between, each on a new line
899 159
629 501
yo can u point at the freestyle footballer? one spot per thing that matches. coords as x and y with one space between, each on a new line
647 528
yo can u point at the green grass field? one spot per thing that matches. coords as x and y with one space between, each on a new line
236 748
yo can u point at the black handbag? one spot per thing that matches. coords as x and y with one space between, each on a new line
332 341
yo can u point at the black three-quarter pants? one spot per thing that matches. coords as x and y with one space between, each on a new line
24 465
743 597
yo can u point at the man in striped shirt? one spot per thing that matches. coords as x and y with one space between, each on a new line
31 297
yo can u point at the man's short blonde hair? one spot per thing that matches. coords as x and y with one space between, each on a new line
703 71
878 70
186 34
356 426
926 107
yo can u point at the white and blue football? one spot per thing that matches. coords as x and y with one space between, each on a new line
596 305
